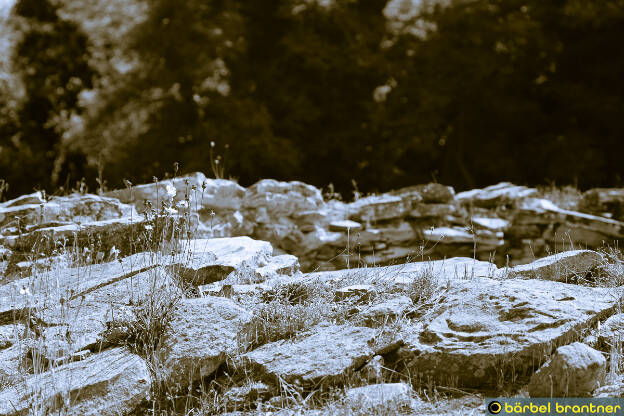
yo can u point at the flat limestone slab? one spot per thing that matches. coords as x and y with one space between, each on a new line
324 354
75 208
379 207
501 193
481 327
48 288
404 274
542 211
212 260
80 323
559 267
107 384
112 232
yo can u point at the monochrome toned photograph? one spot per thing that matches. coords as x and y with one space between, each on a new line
311 207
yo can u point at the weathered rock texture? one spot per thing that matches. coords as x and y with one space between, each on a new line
71 320
323 355
66 333
111 383
203 333
505 223
60 329
575 370
481 328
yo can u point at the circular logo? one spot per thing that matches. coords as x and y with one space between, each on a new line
494 407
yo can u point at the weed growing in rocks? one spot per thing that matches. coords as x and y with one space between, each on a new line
423 287
143 329
279 311
611 271
217 163
160 235
291 308
4 187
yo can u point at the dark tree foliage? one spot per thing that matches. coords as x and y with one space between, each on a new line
51 60
515 90
522 90
298 96
315 71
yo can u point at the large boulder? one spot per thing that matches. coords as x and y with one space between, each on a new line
478 329
574 370
281 199
202 333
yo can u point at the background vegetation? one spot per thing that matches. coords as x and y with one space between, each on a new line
464 92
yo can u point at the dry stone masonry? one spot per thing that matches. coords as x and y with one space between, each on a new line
503 223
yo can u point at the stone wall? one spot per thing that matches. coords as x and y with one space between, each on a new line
504 223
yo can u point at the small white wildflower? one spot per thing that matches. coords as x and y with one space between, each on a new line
114 252
25 291
183 204
170 210
149 227
212 144
171 191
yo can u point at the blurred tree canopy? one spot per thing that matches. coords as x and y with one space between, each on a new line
51 60
467 93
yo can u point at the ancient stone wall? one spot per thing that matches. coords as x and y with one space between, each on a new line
504 223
